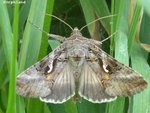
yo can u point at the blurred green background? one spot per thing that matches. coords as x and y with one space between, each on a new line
21 45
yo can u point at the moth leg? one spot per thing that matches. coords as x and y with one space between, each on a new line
57 37
98 43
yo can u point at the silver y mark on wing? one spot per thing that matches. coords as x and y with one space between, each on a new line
79 66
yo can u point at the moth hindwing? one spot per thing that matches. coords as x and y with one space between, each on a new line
79 67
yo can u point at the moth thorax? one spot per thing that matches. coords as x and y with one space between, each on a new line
76 61
76 56
76 52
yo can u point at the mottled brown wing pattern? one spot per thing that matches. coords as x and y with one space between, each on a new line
32 82
121 80
50 79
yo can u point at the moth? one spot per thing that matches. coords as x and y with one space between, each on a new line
78 67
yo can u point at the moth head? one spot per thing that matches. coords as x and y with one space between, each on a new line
76 31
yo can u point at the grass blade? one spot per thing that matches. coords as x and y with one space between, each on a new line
100 7
134 24
12 85
70 107
88 107
46 109
121 48
47 23
145 29
31 34
35 103
2 55
56 108
141 101
88 13
32 39
6 32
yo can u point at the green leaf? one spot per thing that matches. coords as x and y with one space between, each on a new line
145 29
141 101
88 107
2 55
6 32
145 4
53 43
121 47
70 107
32 39
46 109
23 15
134 24
47 23
13 66
56 108
88 13
32 36
100 7
36 104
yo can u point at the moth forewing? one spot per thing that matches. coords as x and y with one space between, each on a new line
78 65
36 75
51 79
122 80
28 81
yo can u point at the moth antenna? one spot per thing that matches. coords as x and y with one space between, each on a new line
37 27
108 37
60 20
57 37
96 21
